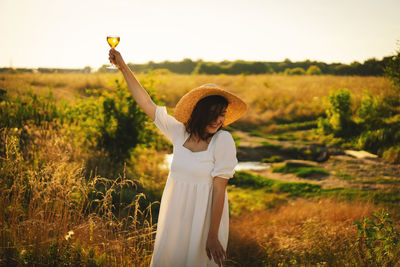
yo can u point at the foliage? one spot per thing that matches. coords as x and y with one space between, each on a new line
392 154
243 200
369 67
295 71
313 70
378 240
52 194
375 127
373 111
29 107
111 122
52 216
235 67
377 141
339 115
392 69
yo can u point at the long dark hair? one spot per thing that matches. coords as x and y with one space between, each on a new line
205 112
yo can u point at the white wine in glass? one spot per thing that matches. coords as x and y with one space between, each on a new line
113 41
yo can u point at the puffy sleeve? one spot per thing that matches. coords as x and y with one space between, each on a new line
167 124
224 156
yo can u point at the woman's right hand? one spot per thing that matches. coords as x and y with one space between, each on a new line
116 58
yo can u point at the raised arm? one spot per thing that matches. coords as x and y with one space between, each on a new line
140 95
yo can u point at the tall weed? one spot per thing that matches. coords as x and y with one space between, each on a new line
49 216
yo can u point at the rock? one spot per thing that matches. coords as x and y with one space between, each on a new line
361 154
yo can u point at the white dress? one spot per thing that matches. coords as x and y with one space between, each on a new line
185 210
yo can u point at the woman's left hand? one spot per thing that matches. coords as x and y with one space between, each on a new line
215 249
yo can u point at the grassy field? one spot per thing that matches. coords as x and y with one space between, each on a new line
271 98
64 201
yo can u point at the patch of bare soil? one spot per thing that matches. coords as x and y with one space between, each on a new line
344 170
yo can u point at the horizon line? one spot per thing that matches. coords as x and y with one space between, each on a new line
199 59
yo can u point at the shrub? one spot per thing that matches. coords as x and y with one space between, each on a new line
378 241
392 154
377 140
373 111
295 71
17 111
313 70
112 123
392 70
52 216
339 115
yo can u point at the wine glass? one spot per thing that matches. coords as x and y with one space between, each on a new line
113 41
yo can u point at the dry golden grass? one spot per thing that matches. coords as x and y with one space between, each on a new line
48 213
274 96
269 96
309 232
47 194
64 85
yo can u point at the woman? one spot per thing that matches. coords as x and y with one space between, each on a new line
193 222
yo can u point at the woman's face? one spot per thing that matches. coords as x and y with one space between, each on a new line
214 125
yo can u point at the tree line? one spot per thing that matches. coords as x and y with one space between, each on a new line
370 67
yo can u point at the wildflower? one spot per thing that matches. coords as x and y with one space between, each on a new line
69 235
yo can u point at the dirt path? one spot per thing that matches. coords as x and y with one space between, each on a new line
344 170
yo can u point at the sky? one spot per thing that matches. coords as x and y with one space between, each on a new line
72 33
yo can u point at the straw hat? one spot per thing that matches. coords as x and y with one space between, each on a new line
183 110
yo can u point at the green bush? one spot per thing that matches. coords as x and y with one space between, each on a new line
29 107
295 71
339 116
392 154
378 240
392 70
376 141
111 122
313 70
376 127
373 111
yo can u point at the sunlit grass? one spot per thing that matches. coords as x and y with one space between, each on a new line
302 233
50 214
284 99
51 211
300 169
243 200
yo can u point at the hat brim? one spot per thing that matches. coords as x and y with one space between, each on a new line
184 108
